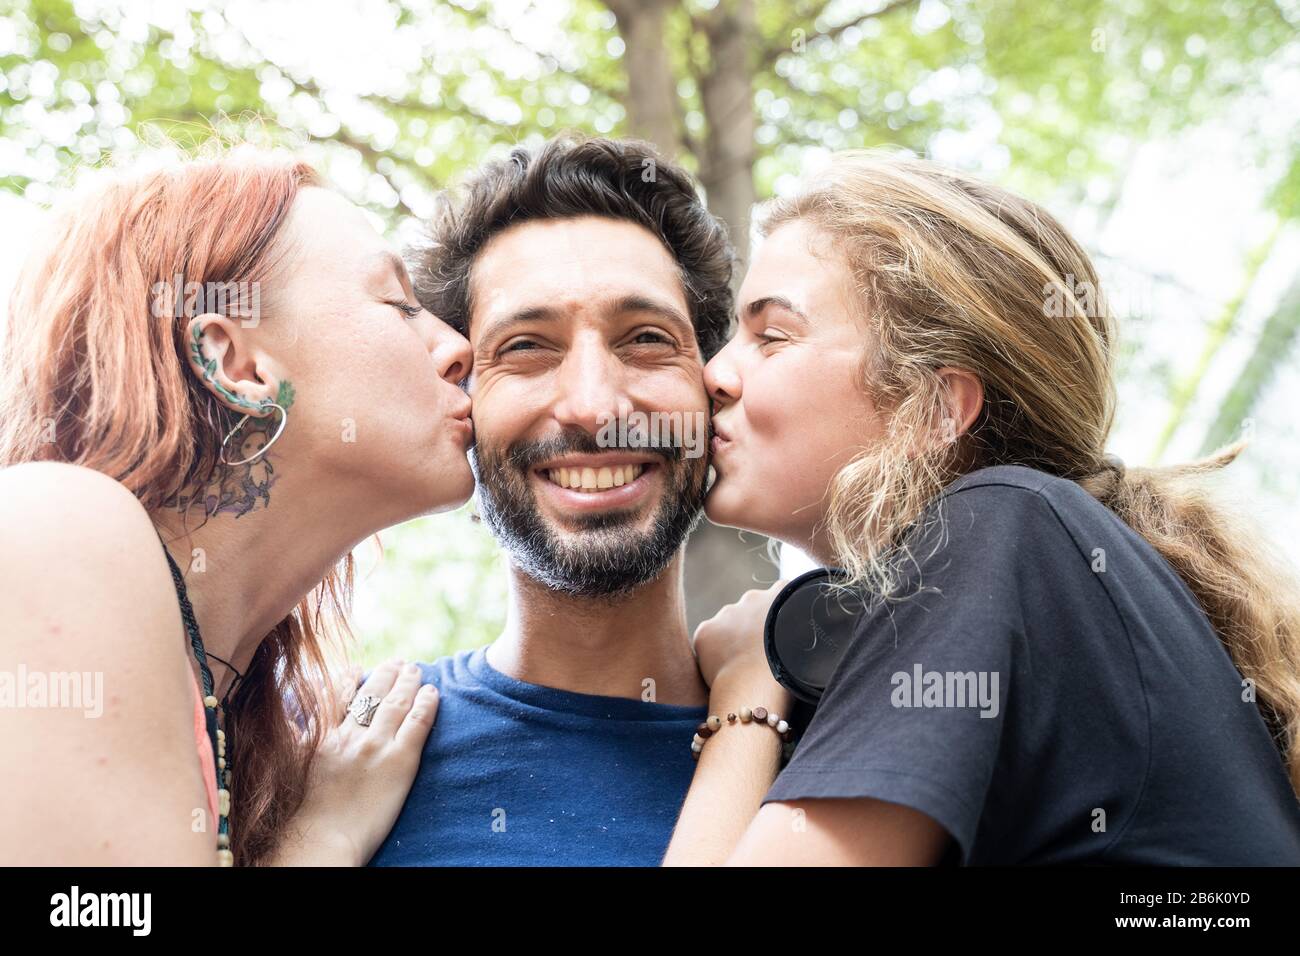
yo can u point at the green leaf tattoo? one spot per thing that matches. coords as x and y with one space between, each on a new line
237 489
284 396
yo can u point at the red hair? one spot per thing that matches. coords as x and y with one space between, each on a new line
91 374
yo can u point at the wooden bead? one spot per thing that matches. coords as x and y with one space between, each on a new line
731 718
221 763
221 735
210 702
225 858
782 726
772 720
715 722
696 747
745 715
697 740
223 802
703 731
760 713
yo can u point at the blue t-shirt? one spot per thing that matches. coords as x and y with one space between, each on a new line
516 774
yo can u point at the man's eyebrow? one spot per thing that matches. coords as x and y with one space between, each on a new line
641 303
528 314
626 303
781 302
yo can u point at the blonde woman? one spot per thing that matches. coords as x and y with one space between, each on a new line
214 382
920 392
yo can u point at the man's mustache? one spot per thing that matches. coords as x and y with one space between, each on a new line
526 454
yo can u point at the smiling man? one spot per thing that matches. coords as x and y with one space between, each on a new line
592 284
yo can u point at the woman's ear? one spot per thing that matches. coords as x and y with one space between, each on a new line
222 355
965 398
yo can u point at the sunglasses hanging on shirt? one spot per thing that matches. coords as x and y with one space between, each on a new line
809 627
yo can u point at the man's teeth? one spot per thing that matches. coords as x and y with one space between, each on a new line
594 479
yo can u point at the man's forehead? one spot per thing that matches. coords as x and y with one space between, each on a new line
540 262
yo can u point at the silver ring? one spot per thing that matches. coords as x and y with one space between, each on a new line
363 708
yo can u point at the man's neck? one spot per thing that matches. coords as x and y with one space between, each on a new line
634 645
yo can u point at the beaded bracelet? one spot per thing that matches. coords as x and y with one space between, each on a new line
760 714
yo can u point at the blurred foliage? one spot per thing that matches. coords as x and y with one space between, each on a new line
1052 99
439 587
1060 89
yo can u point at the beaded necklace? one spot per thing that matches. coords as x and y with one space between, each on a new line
216 736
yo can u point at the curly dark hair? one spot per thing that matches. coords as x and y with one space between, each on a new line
565 178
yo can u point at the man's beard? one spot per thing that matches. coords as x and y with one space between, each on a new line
600 554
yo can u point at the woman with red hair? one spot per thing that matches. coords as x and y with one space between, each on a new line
214 382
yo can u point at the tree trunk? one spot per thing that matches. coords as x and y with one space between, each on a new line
727 94
721 563
651 100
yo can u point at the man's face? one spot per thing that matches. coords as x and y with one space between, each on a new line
575 322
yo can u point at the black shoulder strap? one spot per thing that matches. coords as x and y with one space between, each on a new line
191 625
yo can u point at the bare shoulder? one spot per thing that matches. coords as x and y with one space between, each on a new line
78 550
105 749
53 496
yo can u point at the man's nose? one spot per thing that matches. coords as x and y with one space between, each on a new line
590 386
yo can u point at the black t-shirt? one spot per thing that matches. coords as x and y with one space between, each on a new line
1052 693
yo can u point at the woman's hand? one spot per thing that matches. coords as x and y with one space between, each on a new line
738 762
729 646
361 775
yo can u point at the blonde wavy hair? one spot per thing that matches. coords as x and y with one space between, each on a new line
950 271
